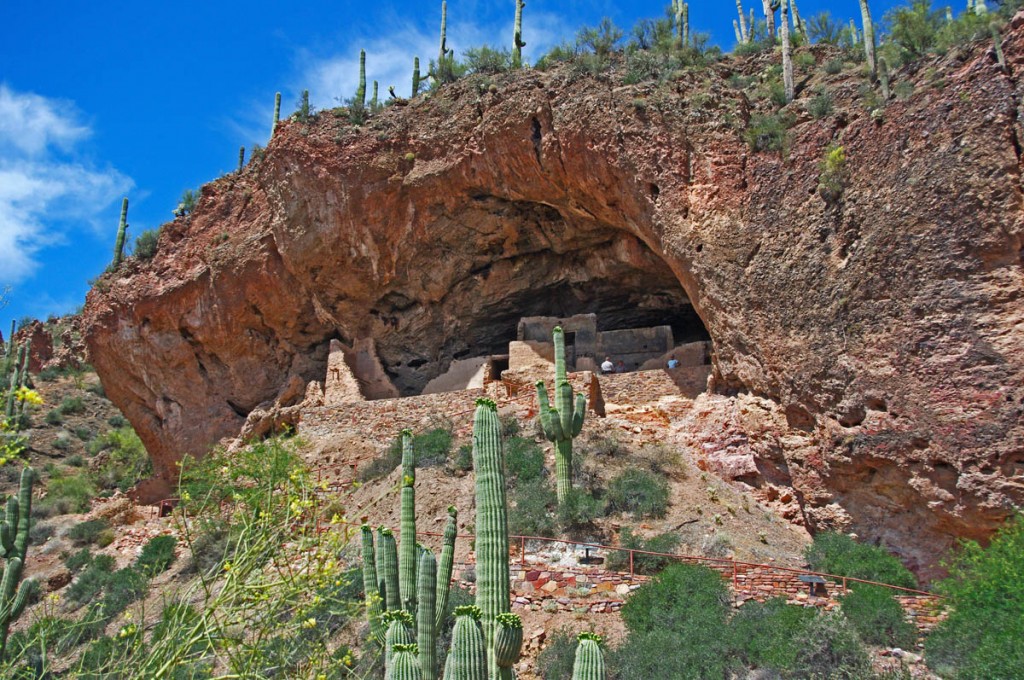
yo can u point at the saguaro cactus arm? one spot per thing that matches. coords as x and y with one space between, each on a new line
444 571
589 662
508 644
407 549
426 632
467 659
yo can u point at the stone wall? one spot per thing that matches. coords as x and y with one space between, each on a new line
634 346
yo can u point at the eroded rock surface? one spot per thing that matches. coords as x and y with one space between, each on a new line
884 331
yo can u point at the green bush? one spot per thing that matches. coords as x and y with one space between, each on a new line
146 244
72 406
877 617
157 555
834 66
666 543
676 624
92 580
531 514
640 492
765 634
68 492
463 460
984 634
54 417
431 449
524 459
117 420
84 433
829 648
86 533
834 553
126 460
577 511
820 105
559 655
914 30
487 60
768 133
77 561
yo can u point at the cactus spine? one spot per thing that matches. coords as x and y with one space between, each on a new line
869 36
361 92
467 659
122 229
562 423
508 643
589 663
14 541
492 593
517 36
277 113
415 76
404 663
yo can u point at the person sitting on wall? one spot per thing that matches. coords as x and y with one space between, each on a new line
673 362
607 366
620 367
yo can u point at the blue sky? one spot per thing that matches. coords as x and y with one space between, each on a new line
107 99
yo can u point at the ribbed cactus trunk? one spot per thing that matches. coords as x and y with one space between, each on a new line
444 571
869 36
442 53
17 380
769 17
997 40
241 157
373 100
387 569
122 230
277 113
399 629
405 665
407 550
517 36
361 92
492 572
787 56
589 662
426 631
744 35
14 541
564 422
371 587
508 644
415 76
467 659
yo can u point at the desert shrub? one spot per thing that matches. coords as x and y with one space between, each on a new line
640 492
668 542
577 511
834 66
62 442
463 460
524 459
558 54
97 389
604 446
75 461
76 561
92 580
531 509
40 532
209 548
822 28
381 465
829 648
877 617
157 555
487 60
764 634
146 244
84 433
675 625
768 133
122 588
914 30
117 420
72 406
431 448
805 60
54 417
559 655
126 460
67 492
86 533
820 104
834 553
601 40
984 634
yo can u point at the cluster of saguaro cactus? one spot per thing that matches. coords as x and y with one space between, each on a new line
589 662
405 589
564 422
122 229
743 33
681 11
405 663
14 541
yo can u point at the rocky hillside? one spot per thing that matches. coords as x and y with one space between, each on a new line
871 308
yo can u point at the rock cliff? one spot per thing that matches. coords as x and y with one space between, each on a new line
885 327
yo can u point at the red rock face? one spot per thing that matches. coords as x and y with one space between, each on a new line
885 327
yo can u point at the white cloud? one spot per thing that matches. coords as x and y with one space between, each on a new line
46 190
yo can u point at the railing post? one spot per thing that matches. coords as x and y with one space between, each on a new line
630 564
734 574
845 589
522 550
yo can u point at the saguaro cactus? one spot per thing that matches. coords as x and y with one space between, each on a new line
589 663
426 631
997 40
744 35
787 56
277 113
374 602
407 550
562 423
508 644
442 53
14 541
467 658
399 629
444 572
122 229
415 76
405 665
517 36
492 593
241 157
361 91
869 36
387 568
